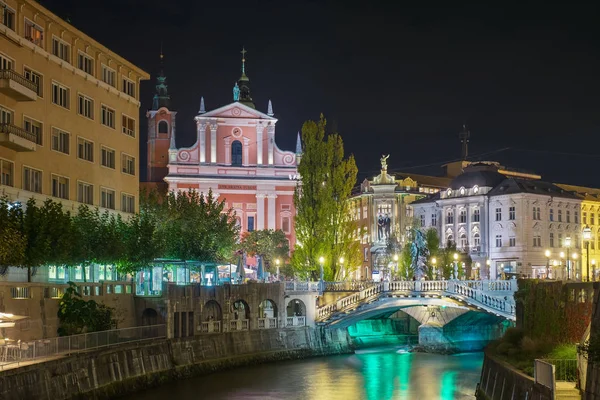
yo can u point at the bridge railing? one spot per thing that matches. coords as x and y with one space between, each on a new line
306 286
347 286
504 304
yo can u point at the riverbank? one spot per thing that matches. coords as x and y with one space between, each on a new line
119 371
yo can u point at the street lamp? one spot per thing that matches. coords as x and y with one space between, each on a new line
478 267
587 236
568 246
277 264
455 265
396 261
433 262
488 263
547 253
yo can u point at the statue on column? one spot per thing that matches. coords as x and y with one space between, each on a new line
387 225
384 162
380 228
236 92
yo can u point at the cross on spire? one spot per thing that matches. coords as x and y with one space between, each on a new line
243 60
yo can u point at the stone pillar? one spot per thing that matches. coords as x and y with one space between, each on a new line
260 211
201 129
227 142
272 221
246 154
213 143
259 144
271 135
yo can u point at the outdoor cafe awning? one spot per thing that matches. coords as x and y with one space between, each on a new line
8 320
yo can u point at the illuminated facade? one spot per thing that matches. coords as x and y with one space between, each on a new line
68 114
235 156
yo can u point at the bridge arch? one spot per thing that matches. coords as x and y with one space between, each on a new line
240 309
267 309
150 317
212 311
295 308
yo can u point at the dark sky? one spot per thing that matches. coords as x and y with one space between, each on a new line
393 78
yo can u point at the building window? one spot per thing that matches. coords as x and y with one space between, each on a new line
422 220
34 127
434 219
7 175
60 95
568 216
108 157
551 239
85 63
250 224
285 224
163 127
537 241
8 16
576 217
463 241
539 214
6 116
476 215
559 215
236 153
60 141
61 49
498 214
85 193
560 241
498 240
128 164
85 106
511 213
535 213
551 215
462 216
592 219
127 203
584 218
512 241
108 75
450 239
34 33
128 87
35 78
32 180
60 187
450 217
85 149
128 126
476 241
108 116
107 198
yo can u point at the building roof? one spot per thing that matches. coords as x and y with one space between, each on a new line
429 199
482 175
440 182
518 185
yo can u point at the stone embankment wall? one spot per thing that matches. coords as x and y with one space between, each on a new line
117 371
500 381
592 384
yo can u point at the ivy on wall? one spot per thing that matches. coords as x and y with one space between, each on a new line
553 311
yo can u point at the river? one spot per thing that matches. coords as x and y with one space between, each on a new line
376 374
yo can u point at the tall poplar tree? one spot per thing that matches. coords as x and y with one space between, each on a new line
323 224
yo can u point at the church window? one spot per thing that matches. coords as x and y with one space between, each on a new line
236 153
250 224
434 219
511 213
163 127
285 224
476 241
422 220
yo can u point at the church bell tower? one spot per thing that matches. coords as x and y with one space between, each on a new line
241 90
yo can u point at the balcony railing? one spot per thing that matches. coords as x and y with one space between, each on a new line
20 132
20 79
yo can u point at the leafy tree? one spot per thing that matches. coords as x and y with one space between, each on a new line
432 242
445 260
86 237
12 242
324 225
268 244
406 268
80 316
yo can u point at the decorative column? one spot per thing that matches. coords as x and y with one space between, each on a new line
246 154
201 129
271 209
271 135
260 211
259 144
227 142
213 142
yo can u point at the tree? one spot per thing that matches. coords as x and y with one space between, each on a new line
432 242
406 268
446 260
12 241
268 244
324 225
80 316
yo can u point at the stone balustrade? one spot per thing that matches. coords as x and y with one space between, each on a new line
295 321
239 325
210 327
267 323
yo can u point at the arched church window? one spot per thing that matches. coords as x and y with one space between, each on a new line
236 153
163 127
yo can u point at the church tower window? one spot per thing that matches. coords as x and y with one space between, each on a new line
236 153
163 127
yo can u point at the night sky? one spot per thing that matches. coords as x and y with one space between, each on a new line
389 77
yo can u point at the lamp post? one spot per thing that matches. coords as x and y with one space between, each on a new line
433 262
555 265
547 253
587 236
342 267
455 265
574 261
562 257
595 270
396 261
277 264
321 283
568 246
478 267
488 264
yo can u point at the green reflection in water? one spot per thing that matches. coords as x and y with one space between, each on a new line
386 374
447 386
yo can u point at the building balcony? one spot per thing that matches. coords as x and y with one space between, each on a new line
16 138
17 86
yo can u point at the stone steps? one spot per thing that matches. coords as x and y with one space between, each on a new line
567 391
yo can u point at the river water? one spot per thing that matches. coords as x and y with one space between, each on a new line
376 374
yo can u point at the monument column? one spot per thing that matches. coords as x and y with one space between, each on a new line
271 210
213 142
259 144
260 211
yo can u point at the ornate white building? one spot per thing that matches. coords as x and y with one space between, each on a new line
508 224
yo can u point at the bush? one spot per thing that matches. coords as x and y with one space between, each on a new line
513 336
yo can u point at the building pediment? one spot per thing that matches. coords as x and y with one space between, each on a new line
236 110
